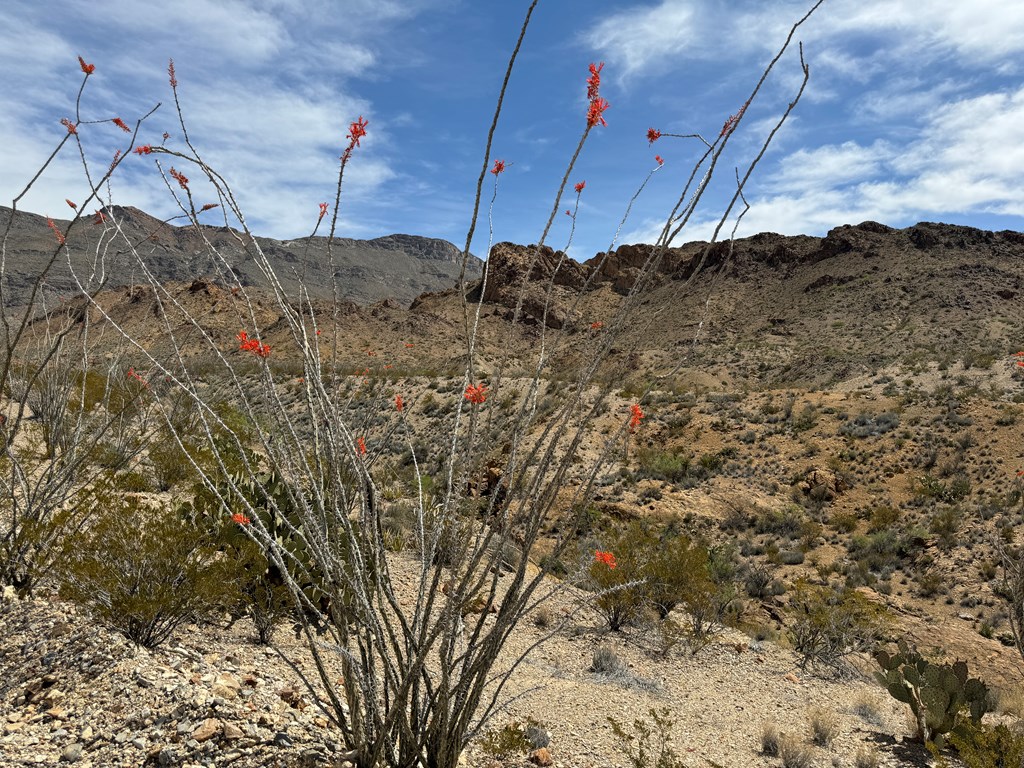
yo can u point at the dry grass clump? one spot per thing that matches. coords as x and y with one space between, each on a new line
824 727
1011 702
867 757
605 661
770 739
543 617
795 753
866 707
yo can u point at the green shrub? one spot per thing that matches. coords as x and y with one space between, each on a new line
145 571
677 570
844 521
620 582
663 573
829 624
945 524
507 743
658 464
986 746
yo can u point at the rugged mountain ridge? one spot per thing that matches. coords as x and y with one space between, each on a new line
764 310
397 267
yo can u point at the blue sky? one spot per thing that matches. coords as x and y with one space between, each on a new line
913 112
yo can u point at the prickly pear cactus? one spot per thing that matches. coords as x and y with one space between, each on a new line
937 694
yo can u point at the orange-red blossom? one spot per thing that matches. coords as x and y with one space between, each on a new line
607 558
476 393
635 414
255 346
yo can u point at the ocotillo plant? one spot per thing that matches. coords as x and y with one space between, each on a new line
409 669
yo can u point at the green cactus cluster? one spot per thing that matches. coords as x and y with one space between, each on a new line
936 693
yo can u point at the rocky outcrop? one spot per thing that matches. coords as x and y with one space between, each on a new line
538 280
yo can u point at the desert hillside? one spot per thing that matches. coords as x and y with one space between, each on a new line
822 418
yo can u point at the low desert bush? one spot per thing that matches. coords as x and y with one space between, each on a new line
979 745
605 661
506 743
829 624
145 571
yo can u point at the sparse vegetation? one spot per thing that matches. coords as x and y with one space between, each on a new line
649 745
795 753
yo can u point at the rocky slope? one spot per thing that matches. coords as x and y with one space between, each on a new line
396 267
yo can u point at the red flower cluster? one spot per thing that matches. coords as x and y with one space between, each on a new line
145 149
476 393
579 186
87 68
323 211
499 167
1020 359
357 130
121 124
597 105
179 177
98 218
361 445
255 346
635 414
596 111
74 206
209 207
607 558
653 134
399 403
133 374
594 81
240 519
597 325
69 125
171 73
56 231
659 160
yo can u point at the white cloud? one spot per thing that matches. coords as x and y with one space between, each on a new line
830 166
647 38
640 40
967 158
